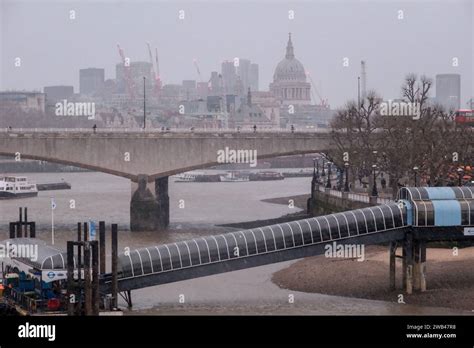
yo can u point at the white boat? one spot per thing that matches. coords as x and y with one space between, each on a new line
188 177
16 187
232 177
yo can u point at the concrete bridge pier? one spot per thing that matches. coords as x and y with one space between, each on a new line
149 205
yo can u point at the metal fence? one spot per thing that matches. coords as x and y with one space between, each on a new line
165 130
358 197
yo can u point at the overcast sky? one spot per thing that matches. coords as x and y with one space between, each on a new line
53 47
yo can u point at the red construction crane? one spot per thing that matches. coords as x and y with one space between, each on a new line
324 102
158 77
155 71
127 73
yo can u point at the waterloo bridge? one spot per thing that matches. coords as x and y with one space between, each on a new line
149 157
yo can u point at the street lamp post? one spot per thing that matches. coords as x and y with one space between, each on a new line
144 104
460 173
314 182
328 184
374 187
415 170
346 184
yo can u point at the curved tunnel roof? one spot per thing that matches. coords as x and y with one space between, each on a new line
264 240
436 193
439 206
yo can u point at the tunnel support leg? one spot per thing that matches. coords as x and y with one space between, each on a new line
149 206
419 281
127 297
408 258
393 255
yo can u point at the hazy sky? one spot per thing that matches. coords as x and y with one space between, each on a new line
53 47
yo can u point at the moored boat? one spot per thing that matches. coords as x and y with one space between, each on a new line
234 177
16 187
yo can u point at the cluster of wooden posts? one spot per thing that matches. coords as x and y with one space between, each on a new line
23 227
85 266
413 263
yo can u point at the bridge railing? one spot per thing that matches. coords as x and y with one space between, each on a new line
358 197
163 131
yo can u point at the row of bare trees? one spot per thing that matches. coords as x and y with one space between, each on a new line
431 143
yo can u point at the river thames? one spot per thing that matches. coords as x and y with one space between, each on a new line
99 196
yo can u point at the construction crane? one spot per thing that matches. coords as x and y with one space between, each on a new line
155 71
150 55
324 102
197 69
158 77
127 73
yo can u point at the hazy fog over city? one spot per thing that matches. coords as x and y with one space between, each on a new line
54 47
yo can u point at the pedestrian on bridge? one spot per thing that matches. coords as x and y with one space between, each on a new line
94 127
255 128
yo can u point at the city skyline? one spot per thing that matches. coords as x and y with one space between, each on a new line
211 36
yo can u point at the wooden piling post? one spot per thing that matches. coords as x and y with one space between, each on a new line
393 254
79 251
86 231
129 298
87 279
12 230
102 247
19 226
95 277
33 229
70 278
114 266
25 223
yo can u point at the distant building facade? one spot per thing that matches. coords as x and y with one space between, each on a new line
91 80
269 105
238 76
190 90
248 114
202 90
57 93
215 83
253 77
26 101
229 77
448 91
